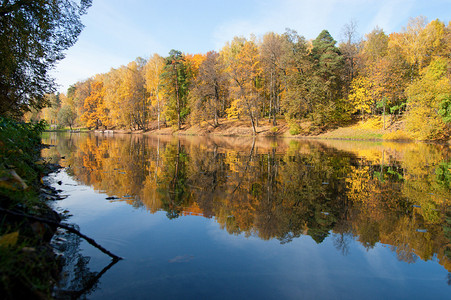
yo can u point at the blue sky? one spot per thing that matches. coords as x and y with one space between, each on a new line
118 31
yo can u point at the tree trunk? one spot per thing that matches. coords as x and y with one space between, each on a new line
177 96
216 105
253 122
271 94
158 111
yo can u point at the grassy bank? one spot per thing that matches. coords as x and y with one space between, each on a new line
27 265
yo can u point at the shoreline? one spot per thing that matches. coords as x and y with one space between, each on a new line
240 128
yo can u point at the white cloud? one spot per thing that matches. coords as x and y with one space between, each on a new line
390 15
309 18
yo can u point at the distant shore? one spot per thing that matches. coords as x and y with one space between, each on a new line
370 130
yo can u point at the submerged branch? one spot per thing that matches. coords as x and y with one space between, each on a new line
64 226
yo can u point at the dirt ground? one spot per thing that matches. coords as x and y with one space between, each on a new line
266 128
226 128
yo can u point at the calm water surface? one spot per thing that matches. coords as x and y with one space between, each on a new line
222 218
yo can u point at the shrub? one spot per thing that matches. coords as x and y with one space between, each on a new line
19 150
398 135
372 123
295 129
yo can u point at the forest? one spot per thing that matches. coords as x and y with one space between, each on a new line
398 77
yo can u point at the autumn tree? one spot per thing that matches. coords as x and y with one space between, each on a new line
94 113
208 95
152 76
79 92
245 72
375 46
50 113
381 81
420 42
360 95
66 115
193 63
427 96
350 47
375 51
135 102
272 55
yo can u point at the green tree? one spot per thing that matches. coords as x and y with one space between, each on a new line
175 87
296 72
67 116
33 37
54 107
325 88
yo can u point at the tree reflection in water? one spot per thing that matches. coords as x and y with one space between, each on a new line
394 194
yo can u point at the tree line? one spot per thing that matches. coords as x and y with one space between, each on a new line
320 82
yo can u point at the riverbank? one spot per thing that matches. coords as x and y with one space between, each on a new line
28 265
371 129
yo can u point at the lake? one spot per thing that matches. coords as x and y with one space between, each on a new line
222 218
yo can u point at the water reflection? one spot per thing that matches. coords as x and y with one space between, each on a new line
77 279
395 194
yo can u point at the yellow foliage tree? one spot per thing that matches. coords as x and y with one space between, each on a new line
94 107
245 71
360 95
152 72
425 96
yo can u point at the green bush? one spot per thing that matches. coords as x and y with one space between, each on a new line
295 129
27 267
20 148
